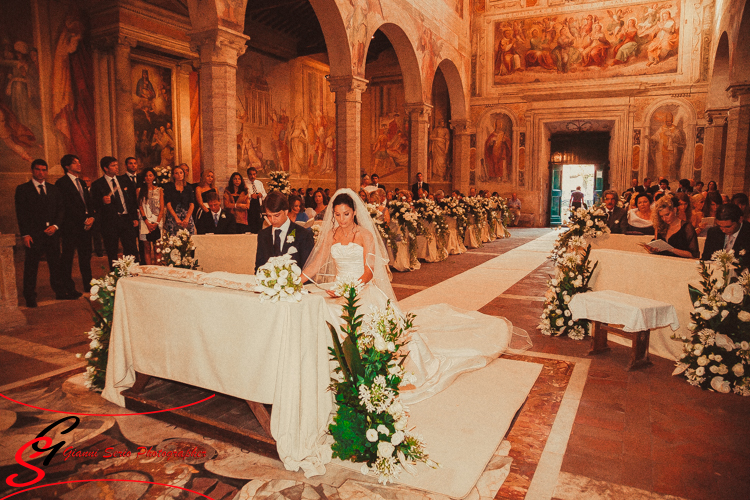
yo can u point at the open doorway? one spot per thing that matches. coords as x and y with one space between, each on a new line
577 178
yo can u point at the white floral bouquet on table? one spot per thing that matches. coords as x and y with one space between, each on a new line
103 304
408 220
279 181
384 229
717 353
452 207
572 275
431 213
280 279
177 250
475 207
163 175
370 425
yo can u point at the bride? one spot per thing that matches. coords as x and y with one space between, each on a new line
446 341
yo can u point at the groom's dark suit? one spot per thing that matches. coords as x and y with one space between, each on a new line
302 240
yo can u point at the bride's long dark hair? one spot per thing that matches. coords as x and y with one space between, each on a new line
345 199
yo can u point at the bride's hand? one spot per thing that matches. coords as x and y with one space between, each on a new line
331 293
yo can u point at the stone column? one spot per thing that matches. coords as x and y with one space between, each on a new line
182 127
714 144
419 144
123 101
219 49
348 91
736 175
12 316
462 132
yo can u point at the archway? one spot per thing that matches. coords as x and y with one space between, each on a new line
718 98
740 70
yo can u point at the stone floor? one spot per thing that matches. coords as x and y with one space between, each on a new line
636 435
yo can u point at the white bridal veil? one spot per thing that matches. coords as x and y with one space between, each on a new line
320 266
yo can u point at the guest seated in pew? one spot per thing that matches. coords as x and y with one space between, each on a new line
617 217
678 233
741 200
729 233
296 210
696 204
215 220
684 212
639 218
712 203
376 198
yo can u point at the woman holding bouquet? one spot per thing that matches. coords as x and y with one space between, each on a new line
348 250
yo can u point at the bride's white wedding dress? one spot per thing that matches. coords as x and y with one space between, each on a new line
445 342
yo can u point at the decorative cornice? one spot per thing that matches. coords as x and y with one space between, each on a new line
739 89
462 127
419 108
347 84
219 44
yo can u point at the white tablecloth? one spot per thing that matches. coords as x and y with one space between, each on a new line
227 341
233 253
617 308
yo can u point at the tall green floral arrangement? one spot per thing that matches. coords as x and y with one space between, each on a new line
103 305
370 425
716 355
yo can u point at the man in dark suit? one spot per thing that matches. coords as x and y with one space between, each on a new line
75 232
647 187
216 220
419 185
40 212
116 206
132 179
617 217
376 182
729 233
634 188
283 236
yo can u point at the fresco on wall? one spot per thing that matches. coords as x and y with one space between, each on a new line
667 142
286 119
632 40
497 159
363 13
152 115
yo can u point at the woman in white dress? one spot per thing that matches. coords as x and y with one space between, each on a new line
446 341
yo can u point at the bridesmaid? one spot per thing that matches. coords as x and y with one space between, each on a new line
151 207
179 198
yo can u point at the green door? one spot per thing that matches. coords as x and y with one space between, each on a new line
601 181
555 209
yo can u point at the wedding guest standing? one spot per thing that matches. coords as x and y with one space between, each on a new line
116 205
133 181
206 185
257 194
39 211
376 182
237 201
729 233
639 218
179 197
75 232
514 206
283 236
215 220
576 198
420 184
669 228
296 210
617 217
151 207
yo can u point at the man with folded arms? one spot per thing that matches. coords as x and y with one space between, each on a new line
216 220
729 233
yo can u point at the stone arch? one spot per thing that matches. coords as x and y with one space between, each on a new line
456 89
687 117
407 60
334 32
718 97
740 67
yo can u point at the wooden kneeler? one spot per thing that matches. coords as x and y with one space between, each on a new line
639 353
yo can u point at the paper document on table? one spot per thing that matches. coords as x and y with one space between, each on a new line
661 246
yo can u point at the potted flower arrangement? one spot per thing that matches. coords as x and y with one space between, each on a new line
431 213
452 208
403 214
177 250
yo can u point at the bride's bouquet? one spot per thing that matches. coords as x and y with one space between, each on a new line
371 423
280 279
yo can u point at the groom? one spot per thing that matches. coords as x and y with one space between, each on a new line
283 236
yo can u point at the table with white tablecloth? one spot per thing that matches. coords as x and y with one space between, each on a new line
229 342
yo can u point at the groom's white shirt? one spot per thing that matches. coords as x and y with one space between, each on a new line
284 230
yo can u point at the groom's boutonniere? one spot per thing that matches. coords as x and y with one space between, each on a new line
223 216
290 237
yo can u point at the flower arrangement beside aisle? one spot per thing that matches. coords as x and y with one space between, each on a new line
431 213
475 207
103 293
572 272
279 181
452 208
370 424
500 212
384 229
408 220
177 250
717 353
280 279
